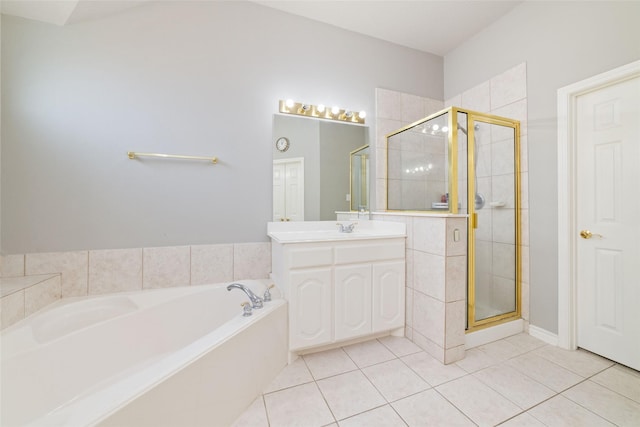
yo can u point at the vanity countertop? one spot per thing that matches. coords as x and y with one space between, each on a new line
317 231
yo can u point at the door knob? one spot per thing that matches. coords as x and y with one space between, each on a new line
586 234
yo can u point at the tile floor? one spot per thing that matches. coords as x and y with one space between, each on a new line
517 381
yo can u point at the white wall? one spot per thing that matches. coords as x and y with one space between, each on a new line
561 42
199 78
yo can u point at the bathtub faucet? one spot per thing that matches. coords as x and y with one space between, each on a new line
256 301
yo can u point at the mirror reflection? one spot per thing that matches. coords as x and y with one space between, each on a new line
360 179
312 169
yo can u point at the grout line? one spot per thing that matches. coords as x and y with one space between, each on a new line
502 362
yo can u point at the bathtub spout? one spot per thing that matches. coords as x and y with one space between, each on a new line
256 301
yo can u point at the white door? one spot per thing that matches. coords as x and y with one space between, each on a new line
288 190
608 221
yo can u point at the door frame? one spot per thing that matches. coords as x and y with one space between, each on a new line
567 193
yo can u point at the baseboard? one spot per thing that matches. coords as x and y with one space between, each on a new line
543 335
494 333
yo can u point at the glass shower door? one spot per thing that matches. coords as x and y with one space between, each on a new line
493 188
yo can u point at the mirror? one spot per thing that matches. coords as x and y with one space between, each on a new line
312 171
360 179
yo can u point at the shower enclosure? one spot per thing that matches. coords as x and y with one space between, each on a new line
439 164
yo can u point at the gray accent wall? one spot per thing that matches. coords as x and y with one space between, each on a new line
561 43
195 78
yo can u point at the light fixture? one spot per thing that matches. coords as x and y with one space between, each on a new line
320 111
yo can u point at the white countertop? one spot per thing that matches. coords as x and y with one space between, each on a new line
322 231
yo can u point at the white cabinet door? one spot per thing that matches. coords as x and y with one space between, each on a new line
310 308
352 301
388 295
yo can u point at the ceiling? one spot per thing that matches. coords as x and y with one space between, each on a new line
428 25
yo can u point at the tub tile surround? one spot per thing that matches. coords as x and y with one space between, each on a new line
515 381
23 296
32 281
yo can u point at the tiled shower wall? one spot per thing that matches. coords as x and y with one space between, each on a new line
503 95
432 315
118 270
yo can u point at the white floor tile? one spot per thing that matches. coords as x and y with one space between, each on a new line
329 363
293 374
302 405
383 416
579 361
560 411
400 346
514 385
610 405
525 341
501 350
544 371
394 380
350 394
477 401
368 353
622 380
254 416
522 420
430 409
475 359
431 370
494 384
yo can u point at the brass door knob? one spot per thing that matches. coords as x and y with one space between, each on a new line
586 234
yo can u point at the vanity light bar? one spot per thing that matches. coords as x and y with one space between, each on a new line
321 112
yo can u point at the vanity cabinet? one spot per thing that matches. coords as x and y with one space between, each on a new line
340 290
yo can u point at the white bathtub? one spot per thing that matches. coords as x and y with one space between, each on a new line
170 357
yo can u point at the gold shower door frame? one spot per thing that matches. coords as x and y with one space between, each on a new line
472 223
472 118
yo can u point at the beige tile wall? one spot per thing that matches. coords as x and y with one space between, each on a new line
436 268
23 296
395 110
118 270
506 95
436 283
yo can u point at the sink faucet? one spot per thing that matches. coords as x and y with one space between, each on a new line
346 228
256 301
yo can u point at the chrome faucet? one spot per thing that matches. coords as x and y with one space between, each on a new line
346 228
256 301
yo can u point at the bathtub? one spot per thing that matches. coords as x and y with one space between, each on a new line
170 357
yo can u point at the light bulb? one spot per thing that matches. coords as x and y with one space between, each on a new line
348 114
320 108
362 114
435 126
289 103
335 110
445 129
